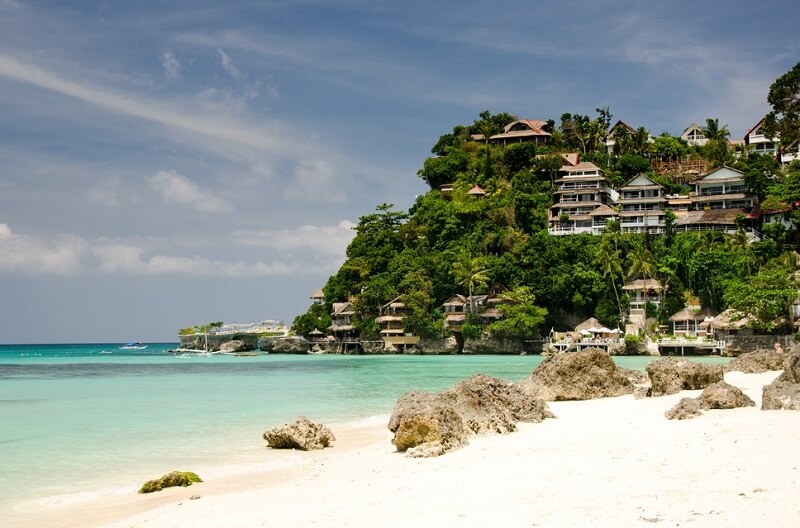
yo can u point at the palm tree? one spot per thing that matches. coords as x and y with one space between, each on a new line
640 264
471 273
713 132
716 149
609 261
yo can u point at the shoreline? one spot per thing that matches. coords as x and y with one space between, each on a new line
612 461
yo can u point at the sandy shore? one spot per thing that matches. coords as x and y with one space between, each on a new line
613 462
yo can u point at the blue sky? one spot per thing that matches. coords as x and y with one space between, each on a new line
172 163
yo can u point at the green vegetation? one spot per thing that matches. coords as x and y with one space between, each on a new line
453 242
200 329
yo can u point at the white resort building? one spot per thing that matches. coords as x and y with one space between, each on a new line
583 197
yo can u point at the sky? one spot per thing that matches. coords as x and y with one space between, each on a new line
167 164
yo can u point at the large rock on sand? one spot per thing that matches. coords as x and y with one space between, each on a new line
430 424
425 425
757 361
671 375
723 395
784 392
686 409
584 375
302 434
719 395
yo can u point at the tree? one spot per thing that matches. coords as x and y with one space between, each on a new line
629 165
636 142
317 317
716 149
757 170
585 134
519 156
521 317
668 148
640 264
764 297
609 262
470 273
444 168
713 132
783 121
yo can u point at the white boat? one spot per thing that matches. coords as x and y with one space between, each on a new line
133 346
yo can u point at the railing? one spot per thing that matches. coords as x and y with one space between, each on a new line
577 186
686 342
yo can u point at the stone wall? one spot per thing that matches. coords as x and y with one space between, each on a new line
736 345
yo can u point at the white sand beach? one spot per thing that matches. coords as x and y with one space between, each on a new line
612 462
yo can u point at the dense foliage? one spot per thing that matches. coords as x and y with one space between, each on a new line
454 242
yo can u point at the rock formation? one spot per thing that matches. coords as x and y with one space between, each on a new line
285 345
584 375
430 424
425 426
175 478
784 392
757 361
302 434
671 375
235 345
719 395
685 409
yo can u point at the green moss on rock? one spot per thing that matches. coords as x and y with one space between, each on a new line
174 478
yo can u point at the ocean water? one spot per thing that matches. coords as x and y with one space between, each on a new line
77 418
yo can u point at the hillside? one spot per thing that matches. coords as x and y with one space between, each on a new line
486 223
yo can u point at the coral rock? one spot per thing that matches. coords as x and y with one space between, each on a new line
584 375
670 375
302 434
758 361
784 392
430 424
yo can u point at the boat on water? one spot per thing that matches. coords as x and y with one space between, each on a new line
133 346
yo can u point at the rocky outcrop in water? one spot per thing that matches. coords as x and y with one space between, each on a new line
285 345
174 478
784 392
235 346
757 361
584 375
719 395
430 424
302 434
671 375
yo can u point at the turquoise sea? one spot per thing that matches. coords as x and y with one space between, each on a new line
78 418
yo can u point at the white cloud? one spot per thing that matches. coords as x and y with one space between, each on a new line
316 180
178 189
125 258
216 127
170 63
119 257
27 254
227 63
327 240
104 193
